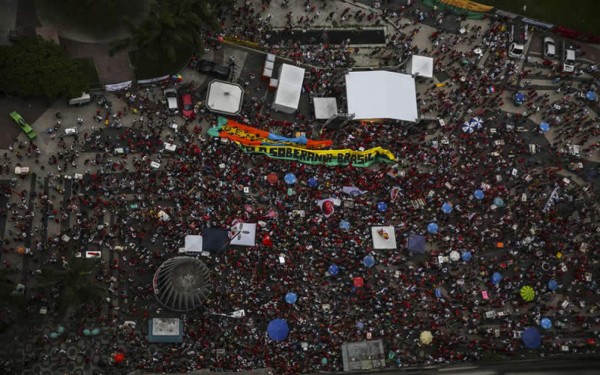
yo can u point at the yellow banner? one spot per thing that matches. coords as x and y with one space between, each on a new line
325 157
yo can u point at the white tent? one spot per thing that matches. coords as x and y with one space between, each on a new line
224 97
420 66
381 95
379 241
289 88
193 243
244 234
325 108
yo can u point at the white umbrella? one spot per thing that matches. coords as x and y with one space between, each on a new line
426 337
477 122
454 256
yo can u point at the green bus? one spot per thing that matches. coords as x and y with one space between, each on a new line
25 127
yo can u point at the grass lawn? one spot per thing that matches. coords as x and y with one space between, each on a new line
580 15
146 67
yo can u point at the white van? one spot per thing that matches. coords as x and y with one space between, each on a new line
569 60
83 99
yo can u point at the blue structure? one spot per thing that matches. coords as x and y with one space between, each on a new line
447 208
478 194
466 256
496 278
290 179
546 323
382 207
552 285
313 182
544 127
532 338
344 225
278 330
333 270
416 243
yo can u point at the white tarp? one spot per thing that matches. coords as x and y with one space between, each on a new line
420 66
244 234
224 97
381 95
193 243
325 108
289 88
379 241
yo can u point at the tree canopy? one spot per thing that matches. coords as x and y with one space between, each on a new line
173 24
36 67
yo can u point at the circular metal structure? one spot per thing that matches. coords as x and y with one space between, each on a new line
181 283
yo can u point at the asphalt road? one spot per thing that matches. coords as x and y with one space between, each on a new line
370 36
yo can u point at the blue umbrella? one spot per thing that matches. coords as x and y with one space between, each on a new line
544 127
344 225
333 270
278 329
86 332
546 323
290 178
519 98
382 207
313 182
499 202
53 335
466 256
432 228
438 293
369 261
591 96
291 298
447 208
60 330
496 278
468 127
95 331
531 338
552 285
478 194
360 325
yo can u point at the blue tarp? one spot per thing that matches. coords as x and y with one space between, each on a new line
532 338
416 243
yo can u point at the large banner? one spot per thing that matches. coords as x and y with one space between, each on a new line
250 136
325 157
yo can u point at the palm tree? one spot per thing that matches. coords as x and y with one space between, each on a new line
171 26
74 285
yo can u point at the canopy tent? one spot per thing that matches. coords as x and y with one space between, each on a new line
416 243
193 243
243 234
383 237
420 66
224 97
214 239
325 108
381 95
289 88
426 337
165 330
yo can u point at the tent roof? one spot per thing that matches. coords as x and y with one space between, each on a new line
416 243
421 65
381 94
245 237
289 86
193 243
224 97
214 239
325 108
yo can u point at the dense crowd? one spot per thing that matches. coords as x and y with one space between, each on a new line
201 185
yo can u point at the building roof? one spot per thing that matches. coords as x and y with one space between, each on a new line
224 97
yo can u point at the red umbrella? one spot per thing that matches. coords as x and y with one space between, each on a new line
359 282
266 240
118 357
272 178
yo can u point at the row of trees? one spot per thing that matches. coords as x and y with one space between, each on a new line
173 25
36 67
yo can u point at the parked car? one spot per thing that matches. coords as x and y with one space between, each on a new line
187 106
515 50
171 97
549 48
71 131
568 60
25 127
213 69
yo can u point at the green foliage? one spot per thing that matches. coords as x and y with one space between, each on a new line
35 67
75 283
171 25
